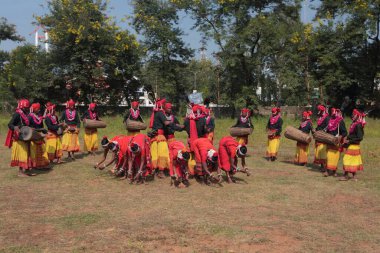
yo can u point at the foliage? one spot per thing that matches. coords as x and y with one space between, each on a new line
8 31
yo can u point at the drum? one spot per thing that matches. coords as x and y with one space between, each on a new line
240 131
133 125
30 134
94 124
295 134
323 137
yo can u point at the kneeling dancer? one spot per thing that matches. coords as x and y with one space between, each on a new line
179 158
229 153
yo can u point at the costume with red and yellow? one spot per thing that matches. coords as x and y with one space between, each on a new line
336 127
210 124
53 140
274 128
352 160
320 153
20 149
38 155
70 140
90 143
302 149
159 146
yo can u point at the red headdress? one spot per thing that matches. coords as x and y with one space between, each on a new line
135 104
168 106
35 107
70 104
23 104
91 106
275 115
157 107
357 118
246 110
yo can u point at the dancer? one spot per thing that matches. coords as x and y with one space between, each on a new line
302 149
53 140
244 121
274 128
70 140
90 135
321 148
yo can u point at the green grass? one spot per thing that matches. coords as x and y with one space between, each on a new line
280 208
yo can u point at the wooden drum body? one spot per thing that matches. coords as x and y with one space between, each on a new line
94 124
323 137
240 131
295 134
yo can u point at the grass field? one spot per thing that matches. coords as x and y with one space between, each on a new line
280 208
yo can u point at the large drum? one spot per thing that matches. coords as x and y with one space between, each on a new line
323 137
134 125
240 131
295 134
94 124
30 134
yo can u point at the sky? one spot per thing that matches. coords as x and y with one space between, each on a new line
21 12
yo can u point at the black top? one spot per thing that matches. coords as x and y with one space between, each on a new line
49 124
86 115
342 129
16 120
277 126
75 121
307 129
247 124
324 124
159 121
211 125
34 124
200 124
129 116
172 127
357 136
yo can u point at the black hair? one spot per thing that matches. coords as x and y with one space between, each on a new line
105 141
134 147
186 156
243 150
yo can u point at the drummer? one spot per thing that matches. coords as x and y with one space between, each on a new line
352 160
70 140
302 149
90 143
274 128
38 156
335 127
133 114
20 149
321 148
53 140
244 121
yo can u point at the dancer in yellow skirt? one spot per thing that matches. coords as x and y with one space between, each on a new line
20 149
90 144
53 139
274 128
244 121
38 156
133 114
320 153
302 149
352 160
159 147
70 140
337 128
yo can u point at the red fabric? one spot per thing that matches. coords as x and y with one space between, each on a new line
168 106
144 144
123 144
23 116
175 165
23 103
321 108
201 147
9 140
193 133
246 110
35 107
92 106
322 118
274 118
157 107
135 104
227 150
70 104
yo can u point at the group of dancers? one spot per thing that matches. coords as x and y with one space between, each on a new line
137 156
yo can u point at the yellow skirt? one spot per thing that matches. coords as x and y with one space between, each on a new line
90 140
53 146
302 151
333 156
320 155
38 155
242 140
352 160
70 142
273 146
191 164
20 154
159 151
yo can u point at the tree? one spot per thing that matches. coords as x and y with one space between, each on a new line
93 57
8 31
